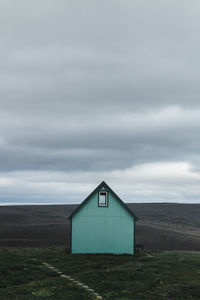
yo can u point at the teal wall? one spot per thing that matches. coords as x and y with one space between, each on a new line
103 229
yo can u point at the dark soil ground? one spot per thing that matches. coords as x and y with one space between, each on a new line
160 226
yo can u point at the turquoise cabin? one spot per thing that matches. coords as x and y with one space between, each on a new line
102 223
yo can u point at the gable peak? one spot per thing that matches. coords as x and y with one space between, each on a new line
103 185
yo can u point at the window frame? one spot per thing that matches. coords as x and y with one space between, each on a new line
106 202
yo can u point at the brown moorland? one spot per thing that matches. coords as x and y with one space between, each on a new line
160 226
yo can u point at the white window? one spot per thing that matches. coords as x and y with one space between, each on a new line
103 199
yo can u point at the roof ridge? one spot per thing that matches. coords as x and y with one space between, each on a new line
93 192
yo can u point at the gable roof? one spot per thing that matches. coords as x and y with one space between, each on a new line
96 190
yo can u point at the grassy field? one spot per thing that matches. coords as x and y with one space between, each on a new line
168 275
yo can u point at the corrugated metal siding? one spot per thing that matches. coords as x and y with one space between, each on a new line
103 229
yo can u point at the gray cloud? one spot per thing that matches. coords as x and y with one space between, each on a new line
99 87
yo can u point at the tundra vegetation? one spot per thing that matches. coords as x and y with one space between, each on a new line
156 275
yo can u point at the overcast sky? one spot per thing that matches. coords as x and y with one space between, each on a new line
99 90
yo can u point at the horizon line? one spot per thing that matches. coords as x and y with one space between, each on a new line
60 203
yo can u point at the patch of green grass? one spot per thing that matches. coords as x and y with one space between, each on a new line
23 277
167 275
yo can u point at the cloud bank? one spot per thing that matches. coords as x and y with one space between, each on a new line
99 91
